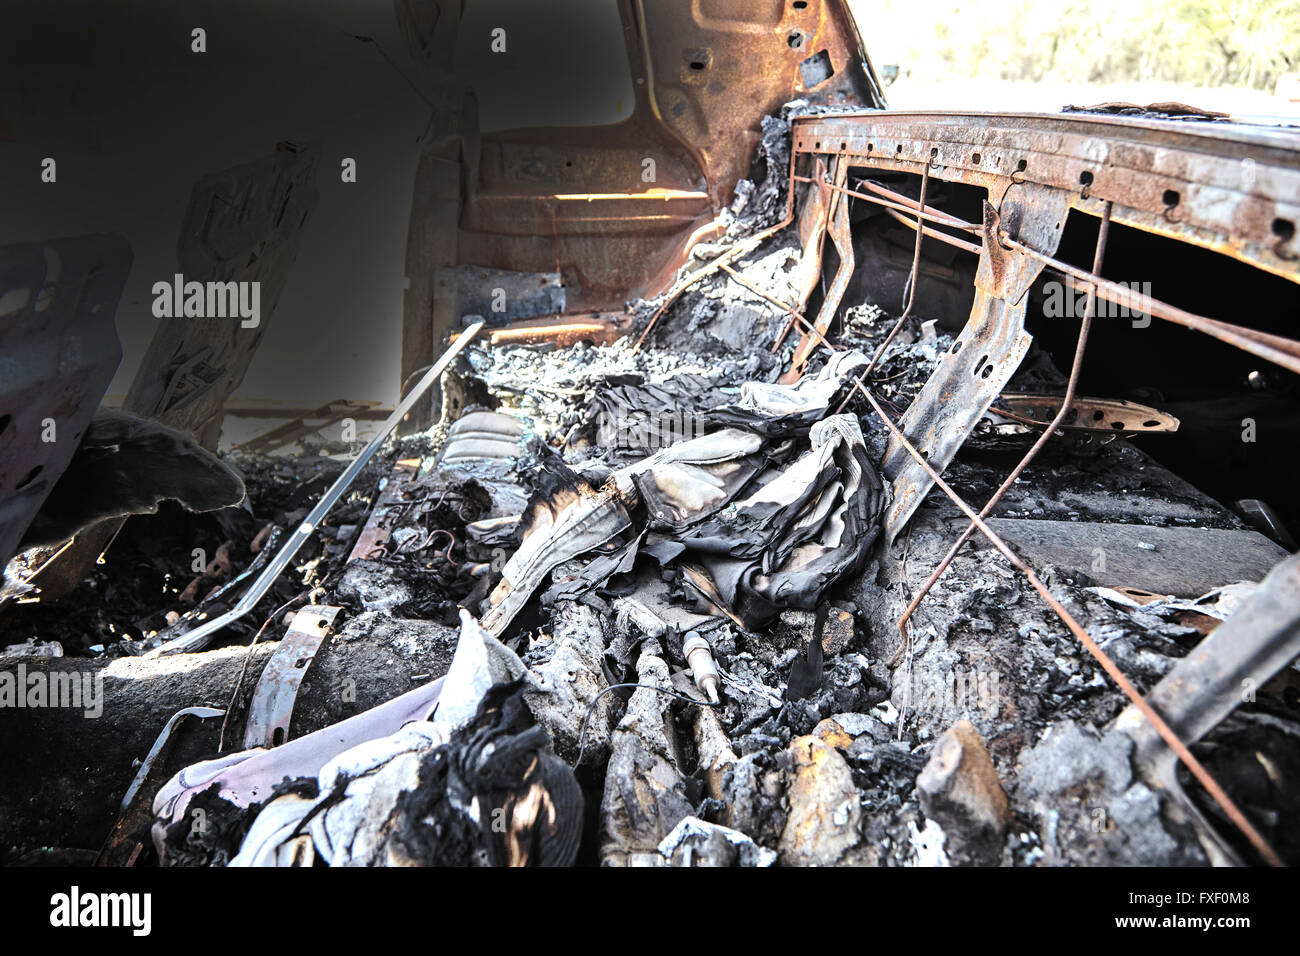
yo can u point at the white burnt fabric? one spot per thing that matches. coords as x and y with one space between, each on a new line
762 512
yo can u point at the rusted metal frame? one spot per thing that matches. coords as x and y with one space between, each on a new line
1274 348
271 709
1157 722
838 229
1085 326
726 258
983 357
1230 188
1154 719
1277 349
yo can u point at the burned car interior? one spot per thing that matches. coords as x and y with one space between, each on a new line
770 477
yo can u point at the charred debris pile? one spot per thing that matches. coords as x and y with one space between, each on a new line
638 603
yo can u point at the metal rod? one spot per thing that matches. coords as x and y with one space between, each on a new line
200 636
935 233
1163 729
904 204
789 310
911 287
1273 348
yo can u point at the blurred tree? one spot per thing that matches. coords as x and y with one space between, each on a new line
1241 43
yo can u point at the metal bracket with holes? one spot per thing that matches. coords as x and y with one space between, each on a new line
271 709
984 356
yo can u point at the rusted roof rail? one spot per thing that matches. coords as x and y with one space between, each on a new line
1230 187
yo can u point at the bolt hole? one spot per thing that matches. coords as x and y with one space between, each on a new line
1118 426
1085 178
956 346
800 4
975 158
794 40
934 151
1284 229
1171 197
1022 166
697 65
988 370
1150 424
1098 415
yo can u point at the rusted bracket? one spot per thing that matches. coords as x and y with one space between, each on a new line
378 527
814 215
1114 415
838 230
973 372
271 709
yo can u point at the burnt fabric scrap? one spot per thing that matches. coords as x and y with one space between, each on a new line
638 418
458 772
803 528
754 523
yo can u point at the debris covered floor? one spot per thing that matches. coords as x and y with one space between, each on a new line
638 603
988 739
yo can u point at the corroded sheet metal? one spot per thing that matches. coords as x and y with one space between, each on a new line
1230 187
1115 415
